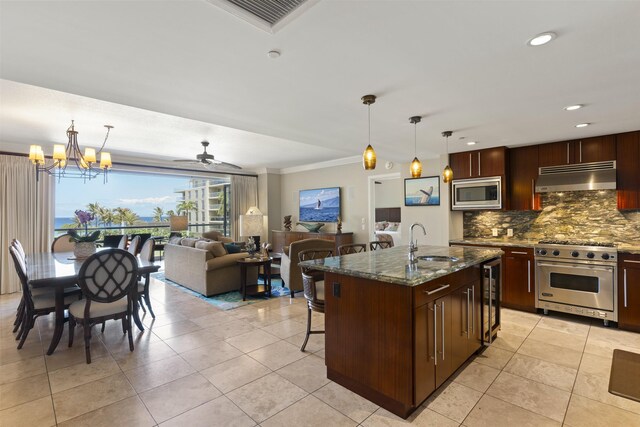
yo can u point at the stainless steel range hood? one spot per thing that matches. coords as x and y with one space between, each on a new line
577 177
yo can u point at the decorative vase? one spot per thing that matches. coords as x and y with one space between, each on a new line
84 249
312 227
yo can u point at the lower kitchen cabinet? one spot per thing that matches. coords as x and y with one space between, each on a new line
518 289
629 292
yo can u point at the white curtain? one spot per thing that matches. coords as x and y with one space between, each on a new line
244 194
26 214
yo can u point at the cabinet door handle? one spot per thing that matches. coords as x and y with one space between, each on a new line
567 153
442 328
479 173
580 147
529 276
632 261
470 174
467 330
487 267
533 195
473 309
435 333
436 290
625 287
519 253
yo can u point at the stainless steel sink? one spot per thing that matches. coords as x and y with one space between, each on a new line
437 258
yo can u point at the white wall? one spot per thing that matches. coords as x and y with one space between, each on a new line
269 203
354 184
389 193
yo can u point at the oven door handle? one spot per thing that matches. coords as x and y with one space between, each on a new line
606 268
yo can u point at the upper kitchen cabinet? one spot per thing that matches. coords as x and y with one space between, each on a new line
586 150
479 163
523 171
628 174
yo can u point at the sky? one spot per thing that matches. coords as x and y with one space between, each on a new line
139 192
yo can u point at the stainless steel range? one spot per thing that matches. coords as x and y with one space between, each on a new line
577 277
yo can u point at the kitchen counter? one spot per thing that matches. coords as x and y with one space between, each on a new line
629 248
498 241
390 265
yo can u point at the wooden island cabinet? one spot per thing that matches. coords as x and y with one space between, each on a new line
629 292
395 343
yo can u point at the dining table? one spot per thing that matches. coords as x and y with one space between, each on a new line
59 270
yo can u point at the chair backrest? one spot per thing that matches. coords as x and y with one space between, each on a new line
111 240
108 275
133 245
380 245
146 252
123 242
384 237
143 237
16 243
309 274
21 269
63 243
353 248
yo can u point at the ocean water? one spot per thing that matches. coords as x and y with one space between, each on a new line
329 214
415 201
60 221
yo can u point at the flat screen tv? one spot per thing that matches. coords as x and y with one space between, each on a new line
320 205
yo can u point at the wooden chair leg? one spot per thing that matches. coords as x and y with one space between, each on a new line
124 325
29 323
140 303
102 330
19 315
72 329
23 325
87 340
128 317
147 301
306 338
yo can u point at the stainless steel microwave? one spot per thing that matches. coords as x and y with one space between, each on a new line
478 193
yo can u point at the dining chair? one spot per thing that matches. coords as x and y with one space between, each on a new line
35 304
380 244
63 243
107 279
20 310
313 287
133 245
146 253
352 248
123 242
384 237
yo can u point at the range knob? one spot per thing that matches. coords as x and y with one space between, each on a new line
590 255
542 251
556 252
575 254
605 256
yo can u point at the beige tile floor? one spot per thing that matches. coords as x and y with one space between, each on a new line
198 366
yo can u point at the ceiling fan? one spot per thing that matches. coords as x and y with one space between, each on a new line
208 160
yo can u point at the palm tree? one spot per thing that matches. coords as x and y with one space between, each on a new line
157 214
170 213
106 216
129 217
95 209
186 207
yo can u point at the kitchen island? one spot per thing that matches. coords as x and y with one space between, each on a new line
394 334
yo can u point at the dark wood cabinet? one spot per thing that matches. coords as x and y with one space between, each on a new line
523 171
518 288
629 292
465 332
586 150
479 163
280 239
628 171
425 367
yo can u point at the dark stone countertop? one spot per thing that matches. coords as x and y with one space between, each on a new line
391 265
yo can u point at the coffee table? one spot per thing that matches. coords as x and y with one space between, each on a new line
255 289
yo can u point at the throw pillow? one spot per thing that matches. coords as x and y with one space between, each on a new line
231 248
217 249
381 225
393 226
189 242
175 240
207 246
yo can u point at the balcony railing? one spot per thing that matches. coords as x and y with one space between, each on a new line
161 230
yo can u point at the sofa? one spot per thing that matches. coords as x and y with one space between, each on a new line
204 266
289 270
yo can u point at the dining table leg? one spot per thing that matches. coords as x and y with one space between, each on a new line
59 321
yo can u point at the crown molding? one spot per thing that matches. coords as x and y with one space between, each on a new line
321 165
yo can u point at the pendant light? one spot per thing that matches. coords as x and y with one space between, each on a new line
447 173
416 166
369 156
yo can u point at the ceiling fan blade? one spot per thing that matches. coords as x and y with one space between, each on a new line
227 165
186 161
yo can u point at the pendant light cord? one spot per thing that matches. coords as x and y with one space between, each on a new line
369 117
415 138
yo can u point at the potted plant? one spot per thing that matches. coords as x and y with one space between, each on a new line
85 244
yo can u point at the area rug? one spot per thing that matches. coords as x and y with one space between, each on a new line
229 300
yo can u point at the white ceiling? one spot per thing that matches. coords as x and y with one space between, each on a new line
168 74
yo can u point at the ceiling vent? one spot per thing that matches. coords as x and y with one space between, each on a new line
268 15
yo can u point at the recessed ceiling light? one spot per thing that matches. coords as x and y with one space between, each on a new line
273 54
582 125
542 38
471 143
573 107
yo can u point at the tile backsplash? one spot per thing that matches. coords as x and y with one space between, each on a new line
578 215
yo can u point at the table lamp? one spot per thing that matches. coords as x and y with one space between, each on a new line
251 224
178 223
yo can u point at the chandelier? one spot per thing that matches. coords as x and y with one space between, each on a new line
69 162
